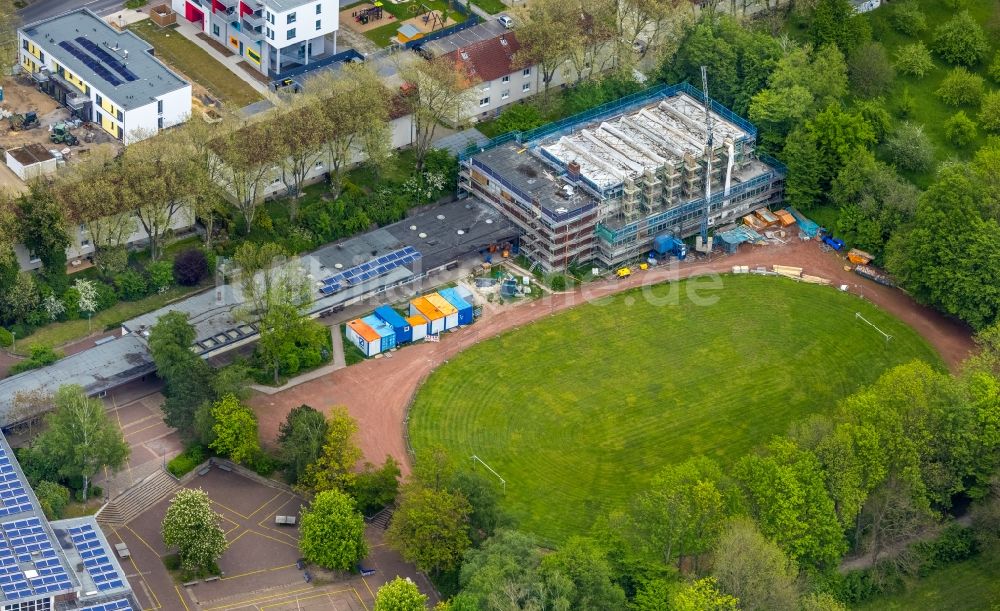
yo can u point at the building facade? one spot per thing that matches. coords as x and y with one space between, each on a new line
102 75
599 187
272 35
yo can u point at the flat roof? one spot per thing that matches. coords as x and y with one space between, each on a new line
363 329
428 309
280 6
381 327
441 304
82 541
100 368
84 43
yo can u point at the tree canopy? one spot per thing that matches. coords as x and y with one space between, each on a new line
192 527
332 532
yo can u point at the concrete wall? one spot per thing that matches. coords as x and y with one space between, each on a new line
31 171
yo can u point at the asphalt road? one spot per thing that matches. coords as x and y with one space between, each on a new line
43 9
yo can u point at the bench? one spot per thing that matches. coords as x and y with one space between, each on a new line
204 470
286 520
212 578
224 467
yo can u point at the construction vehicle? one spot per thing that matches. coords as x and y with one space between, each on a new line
61 135
25 121
670 245
624 272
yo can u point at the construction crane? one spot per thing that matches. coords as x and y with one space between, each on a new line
708 155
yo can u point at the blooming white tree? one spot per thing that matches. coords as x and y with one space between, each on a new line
88 297
192 527
53 306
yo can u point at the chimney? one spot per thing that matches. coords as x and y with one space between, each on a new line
573 171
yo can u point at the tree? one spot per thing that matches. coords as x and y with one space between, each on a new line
914 59
487 516
190 266
400 595
840 135
334 468
332 532
908 18
949 233
548 31
53 498
20 298
356 106
430 528
805 170
301 136
187 377
836 22
989 112
583 563
249 153
822 601
433 467
754 569
437 94
300 438
45 232
193 528
235 430
376 488
959 129
960 87
682 511
200 138
786 495
80 437
910 148
702 595
869 69
960 40
87 300
657 22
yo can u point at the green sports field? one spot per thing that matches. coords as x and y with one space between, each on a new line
578 411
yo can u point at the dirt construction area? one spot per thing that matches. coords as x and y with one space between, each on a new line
380 408
349 18
259 567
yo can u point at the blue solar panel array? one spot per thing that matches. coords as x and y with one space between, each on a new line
95 558
369 269
91 63
13 498
117 605
27 542
107 58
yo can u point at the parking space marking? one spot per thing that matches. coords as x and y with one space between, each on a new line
265 504
259 599
180 596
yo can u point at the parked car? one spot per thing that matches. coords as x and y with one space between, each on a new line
506 21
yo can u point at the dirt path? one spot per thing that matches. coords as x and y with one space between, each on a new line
377 392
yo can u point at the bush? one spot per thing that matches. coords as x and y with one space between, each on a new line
960 129
517 117
70 304
870 70
908 18
994 69
914 59
190 267
96 492
53 498
161 276
106 296
41 355
558 282
954 544
6 338
960 40
989 112
186 461
135 4
960 87
131 285
907 103
910 149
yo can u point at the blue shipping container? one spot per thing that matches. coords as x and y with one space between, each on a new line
464 307
384 330
404 333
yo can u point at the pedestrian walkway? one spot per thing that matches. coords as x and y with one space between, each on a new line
189 31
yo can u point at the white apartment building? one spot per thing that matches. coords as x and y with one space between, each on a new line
103 75
272 35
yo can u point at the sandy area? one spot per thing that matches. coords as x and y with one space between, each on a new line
348 21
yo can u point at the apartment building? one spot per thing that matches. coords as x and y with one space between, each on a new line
272 35
486 52
102 75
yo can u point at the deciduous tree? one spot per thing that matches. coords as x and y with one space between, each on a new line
188 378
334 469
753 569
333 532
301 132
235 430
989 112
44 230
430 528
960 87
301 437
192 527
249 152
376 488
400 595
914 59
961 40
437 94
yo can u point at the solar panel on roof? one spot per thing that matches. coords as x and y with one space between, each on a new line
107 58
90 62
96 559
117 605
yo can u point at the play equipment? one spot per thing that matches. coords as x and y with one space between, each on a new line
25 121
373 13
61 135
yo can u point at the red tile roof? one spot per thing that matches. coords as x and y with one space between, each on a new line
489 59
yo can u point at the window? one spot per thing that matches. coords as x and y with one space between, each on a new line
270 33
505 94
319 9
215 29
526 87
84 243
268 17
505 79
120 116
526 72
24 44
291 33
291 18
159 123
484 102
319 24
159 106
100 100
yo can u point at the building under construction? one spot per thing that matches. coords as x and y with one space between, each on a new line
600 186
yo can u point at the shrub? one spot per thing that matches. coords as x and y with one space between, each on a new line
954 544
517 117
960 87
908 18
106 295
558 282
994 69
131 285
190 267
870 70
53 498
70 304
914 59
910 148
960 40
161 276
186 461
960 129
6 338
41 355
907 103
989 112
96 492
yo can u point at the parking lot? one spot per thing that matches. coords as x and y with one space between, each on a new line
259 567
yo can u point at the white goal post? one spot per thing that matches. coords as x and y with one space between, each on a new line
872 325
503 482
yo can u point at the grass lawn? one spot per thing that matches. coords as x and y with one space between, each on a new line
491 6
578 411
382 36
972 584
61 333
196 64
930 111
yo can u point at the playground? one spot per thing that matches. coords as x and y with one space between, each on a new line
381 21
366 16
575 434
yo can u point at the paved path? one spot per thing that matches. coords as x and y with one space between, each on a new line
189 31
338 347
378 392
